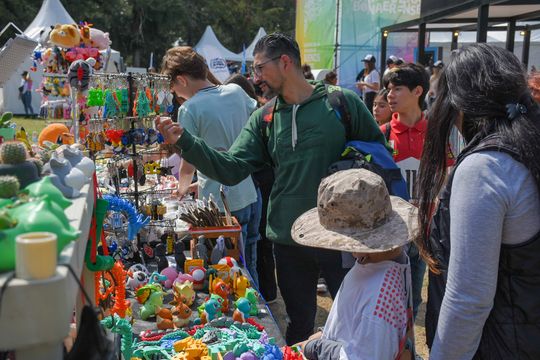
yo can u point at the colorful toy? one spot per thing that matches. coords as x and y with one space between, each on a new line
54 133
139 267
198 274
183 293
210 310
253 297
99 39
231 262
151 296
243 307
136 220
156 278
219 287
123 327
136 279
240 284
121 305
66 36
181 315
164 319
171 274
182 278
193 348
38 215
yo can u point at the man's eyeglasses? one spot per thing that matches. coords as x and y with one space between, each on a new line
257 69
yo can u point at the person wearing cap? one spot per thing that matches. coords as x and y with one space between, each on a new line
434 81
391 63
25 93
369 85
371 317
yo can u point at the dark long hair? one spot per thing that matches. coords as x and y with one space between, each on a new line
478 82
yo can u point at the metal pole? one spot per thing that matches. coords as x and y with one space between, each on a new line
482 23
510 35
421 43
336 45
455 36
526 46
384 37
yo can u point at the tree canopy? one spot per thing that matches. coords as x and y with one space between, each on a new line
139 27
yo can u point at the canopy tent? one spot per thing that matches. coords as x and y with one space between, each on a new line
52 12
216 55
210 41
251 47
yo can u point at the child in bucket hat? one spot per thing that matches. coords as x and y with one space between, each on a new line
371 317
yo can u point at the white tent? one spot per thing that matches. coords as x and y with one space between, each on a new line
249 49
216 55
52 12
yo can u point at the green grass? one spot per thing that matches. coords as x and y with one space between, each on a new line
30 124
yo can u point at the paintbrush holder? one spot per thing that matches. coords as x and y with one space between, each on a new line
213 232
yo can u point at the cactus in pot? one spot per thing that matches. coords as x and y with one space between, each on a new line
13 162
9 186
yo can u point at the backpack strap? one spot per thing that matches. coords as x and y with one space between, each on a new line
267 118
387 131
339 104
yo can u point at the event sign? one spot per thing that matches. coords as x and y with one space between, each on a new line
316 32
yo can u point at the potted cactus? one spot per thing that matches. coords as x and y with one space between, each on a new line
13 162
7 130
9 186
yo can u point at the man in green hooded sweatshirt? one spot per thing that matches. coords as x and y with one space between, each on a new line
304 136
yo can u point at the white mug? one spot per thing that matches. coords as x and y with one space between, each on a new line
35 255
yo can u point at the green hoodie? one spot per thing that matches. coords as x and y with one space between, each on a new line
299 164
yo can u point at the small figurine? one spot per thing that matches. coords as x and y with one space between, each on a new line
164 319
156 278
183 293
179 255
181 315
160 254
219 251
240 284
219 287
243 307
201 250
211 308
198 274
151 296
171 274
253 297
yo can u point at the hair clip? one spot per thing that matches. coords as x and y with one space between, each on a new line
514 110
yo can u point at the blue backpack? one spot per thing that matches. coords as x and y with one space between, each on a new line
370 155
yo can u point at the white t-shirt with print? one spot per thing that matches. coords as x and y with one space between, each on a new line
369 314
371 78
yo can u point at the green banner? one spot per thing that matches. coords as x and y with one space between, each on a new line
316 32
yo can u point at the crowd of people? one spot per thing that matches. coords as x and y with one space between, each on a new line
267 141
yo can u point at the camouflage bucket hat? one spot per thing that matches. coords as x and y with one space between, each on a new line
355 213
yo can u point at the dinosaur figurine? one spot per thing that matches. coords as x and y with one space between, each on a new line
253 298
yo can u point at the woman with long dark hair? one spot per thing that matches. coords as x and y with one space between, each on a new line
484 294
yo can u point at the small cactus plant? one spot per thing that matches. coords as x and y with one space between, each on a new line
9 186
13 152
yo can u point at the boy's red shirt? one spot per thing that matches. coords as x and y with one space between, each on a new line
409 141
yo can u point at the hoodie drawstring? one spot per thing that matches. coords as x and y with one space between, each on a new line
294 131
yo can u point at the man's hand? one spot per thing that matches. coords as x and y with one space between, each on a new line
171 131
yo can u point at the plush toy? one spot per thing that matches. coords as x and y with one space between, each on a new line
66 36
79 53
84 29
54 133
99 39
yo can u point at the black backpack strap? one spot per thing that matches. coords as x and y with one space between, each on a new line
339 104
387 131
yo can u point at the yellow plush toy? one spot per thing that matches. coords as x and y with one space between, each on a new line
66 36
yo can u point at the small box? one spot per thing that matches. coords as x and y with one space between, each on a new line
213 232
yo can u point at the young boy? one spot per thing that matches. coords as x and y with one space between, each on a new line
371 317
407 87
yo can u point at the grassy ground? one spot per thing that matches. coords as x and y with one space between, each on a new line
29 124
